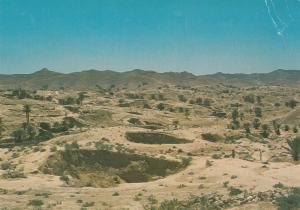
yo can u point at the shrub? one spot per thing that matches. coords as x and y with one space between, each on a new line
19 135
53 148
247 127
182 98
88 204
291 201
35 202
258 112
225 184
249 98
235 124
194 202
186 161
291 103
295 129
45 125
13 175
146 106
265 131
72 146
286 127
256 123
45 135
64 178
208 163
160 106
234 191
211 137
135 121
6 165
279 185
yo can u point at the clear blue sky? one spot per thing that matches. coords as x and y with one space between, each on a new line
199 36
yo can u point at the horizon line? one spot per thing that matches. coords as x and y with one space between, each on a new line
137 69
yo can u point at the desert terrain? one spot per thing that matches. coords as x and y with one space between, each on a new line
152 142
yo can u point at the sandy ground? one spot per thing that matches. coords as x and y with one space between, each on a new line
252 175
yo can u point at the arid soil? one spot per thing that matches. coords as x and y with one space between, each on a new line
232 159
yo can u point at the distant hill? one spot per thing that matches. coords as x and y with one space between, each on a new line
91 78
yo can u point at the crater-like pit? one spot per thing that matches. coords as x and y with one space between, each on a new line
154 138
102 168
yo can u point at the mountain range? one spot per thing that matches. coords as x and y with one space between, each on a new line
90 79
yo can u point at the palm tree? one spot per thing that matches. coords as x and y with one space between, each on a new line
1 127
265 131
294 148
27 110
81 97
247 127
256 123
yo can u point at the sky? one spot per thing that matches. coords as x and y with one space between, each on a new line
198 36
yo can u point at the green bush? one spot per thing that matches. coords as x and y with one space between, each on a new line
192 203
160 106
234 191
72 146
45 125
7 165
36 202
289 202
19 135
211 137
64 178
279 185
13 175
135 121
44 135
88 204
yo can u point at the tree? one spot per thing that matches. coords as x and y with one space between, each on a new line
242 116
19 135
258 99
235 124
265 131
199 101
31 132
247 127
1 127
27 110
249 98
295 129
187 113
81 97
161 97
291 103
175 123
276 127
294 148
206 102
182 98
160 106
146 106
256 123
258 112
234 114
286 127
